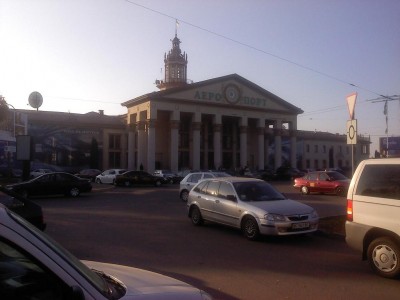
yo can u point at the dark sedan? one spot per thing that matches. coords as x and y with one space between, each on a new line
57 183
288 173
27 209
88 174
323 182
130 178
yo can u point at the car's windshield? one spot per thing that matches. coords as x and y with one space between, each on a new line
257 191
96 280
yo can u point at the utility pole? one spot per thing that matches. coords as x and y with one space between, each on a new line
386 99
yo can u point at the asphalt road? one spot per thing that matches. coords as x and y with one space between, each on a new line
148 228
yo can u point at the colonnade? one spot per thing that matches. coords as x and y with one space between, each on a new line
145 139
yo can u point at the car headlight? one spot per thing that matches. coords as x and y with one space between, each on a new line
275 217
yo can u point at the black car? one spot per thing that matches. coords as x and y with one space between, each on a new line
55 183
138 178
88 174
288 173
27 209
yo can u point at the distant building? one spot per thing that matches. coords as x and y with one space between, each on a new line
323 150
68 141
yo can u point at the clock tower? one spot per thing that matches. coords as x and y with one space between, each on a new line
175 71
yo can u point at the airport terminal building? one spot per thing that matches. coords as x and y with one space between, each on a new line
226 122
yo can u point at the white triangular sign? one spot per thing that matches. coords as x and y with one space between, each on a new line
351 103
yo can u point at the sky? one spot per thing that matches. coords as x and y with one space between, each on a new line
90 55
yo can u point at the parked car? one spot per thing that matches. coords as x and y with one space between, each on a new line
38 172
288 173
33 266
7 171
27 209
261 174
108 176
192 179
168 176
373 214
55 183
130 178
88 174
252 205
323 182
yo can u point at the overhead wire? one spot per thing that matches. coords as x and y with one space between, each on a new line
257 49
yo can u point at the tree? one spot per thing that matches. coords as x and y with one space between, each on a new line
3 110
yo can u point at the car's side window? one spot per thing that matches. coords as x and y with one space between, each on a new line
225 189
381 181
199 188
207 176
194 178
22 277
323 177
212 188
313 176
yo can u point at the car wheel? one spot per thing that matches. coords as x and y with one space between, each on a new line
305 190
195 216
98 180
157 183
184 195
250 228
340 191
384 256
74 192
126 183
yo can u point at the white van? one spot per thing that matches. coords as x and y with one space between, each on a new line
373 214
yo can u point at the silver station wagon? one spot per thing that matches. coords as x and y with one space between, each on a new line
251 205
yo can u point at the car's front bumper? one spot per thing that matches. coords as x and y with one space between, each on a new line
288 228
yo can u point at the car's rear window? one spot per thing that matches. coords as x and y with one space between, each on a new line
382 181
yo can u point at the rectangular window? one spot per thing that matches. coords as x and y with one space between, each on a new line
308 148
114 141
316 164
114 159
316 149
386 185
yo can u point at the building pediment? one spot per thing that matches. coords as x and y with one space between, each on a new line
233 91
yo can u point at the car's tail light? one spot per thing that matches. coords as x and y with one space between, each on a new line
349 210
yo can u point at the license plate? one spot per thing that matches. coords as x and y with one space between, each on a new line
300 225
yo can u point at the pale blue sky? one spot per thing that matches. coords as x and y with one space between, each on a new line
86 55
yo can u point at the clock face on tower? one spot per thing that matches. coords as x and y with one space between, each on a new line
232 93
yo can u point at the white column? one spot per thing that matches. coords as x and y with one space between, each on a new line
131 147
293 144
243 142
196 125
260 136
141 151
151 146
278 144
174 150
217 141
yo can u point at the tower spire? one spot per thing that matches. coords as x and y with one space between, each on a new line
176 27
175 70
